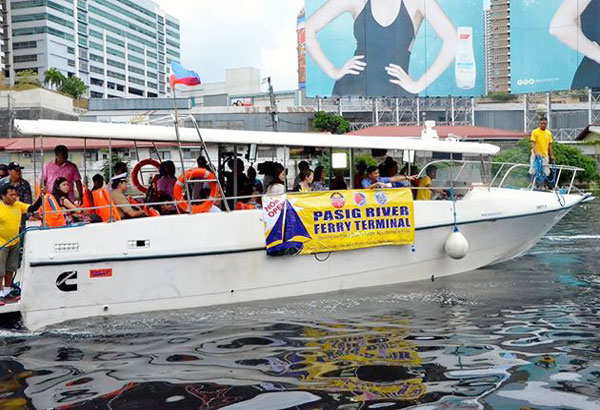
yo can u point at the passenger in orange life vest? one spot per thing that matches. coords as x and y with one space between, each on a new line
98 182
248 201
60 192
119 187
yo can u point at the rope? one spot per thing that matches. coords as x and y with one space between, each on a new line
39 228
560 197
540 176
453 198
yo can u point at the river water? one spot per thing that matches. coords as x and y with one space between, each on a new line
519 335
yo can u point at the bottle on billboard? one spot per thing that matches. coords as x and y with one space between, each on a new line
464 66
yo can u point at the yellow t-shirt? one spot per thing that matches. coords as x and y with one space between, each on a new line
10 222
542 140
424 194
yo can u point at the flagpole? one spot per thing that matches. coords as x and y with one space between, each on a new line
185 182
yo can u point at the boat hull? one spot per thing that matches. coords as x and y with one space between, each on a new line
191 261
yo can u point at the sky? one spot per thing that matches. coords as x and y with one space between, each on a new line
216 35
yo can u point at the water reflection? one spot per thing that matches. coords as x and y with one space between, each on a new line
523 334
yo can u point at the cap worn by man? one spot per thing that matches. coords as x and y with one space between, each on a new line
14 166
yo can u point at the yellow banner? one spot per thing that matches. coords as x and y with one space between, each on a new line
332 221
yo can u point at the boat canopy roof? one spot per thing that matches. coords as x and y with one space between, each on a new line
155 133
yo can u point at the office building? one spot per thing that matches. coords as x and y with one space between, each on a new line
497 46
4 38
119 48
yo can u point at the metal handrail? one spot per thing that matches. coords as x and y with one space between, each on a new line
238 197
559 167
150 204
513 165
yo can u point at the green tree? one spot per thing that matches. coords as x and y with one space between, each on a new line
329 122
74 87
27 79
365 158
54 78
502 96
564 155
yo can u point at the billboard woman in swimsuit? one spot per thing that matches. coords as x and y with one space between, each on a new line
385 32
577 24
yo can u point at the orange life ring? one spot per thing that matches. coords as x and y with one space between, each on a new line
191 174
135 174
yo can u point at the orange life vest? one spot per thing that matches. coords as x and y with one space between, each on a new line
241 206
52 218
86 201
102 200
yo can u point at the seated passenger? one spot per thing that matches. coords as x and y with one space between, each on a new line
165 208
425 191
373 180
98 182
306 180
277 184
119 187
235 176
197 187
302 166
216 205
361 169
166 179
60 192
248 201
253 181
319 179
338 183
392 171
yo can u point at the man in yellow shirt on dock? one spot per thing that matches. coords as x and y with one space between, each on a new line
541 145
11 212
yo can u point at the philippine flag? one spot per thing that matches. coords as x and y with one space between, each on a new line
180 75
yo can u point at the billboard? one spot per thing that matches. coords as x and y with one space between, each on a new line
554 45
394 48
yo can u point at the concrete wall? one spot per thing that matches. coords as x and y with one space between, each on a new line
34 105
37 98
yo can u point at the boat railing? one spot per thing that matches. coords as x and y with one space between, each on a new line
176 203
521 173
451 188
509 174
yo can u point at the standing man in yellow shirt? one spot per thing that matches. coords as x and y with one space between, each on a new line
541 145
11 212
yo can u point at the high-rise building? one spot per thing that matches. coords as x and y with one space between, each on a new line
4 37
486 48
119 48
497 44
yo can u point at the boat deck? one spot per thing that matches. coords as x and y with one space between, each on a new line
11 305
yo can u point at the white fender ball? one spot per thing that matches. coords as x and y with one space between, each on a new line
456 245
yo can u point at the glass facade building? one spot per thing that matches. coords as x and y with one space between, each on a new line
119 48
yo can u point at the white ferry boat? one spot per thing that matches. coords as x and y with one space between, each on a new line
192 260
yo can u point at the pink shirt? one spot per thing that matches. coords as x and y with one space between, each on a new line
165 185
67 170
